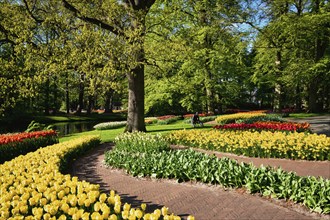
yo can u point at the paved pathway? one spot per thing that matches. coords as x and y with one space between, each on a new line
200 200
319 124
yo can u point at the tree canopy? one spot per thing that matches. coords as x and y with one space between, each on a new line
172 56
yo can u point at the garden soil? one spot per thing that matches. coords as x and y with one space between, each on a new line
201 200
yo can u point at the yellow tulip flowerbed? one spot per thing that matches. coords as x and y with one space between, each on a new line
257 144
33 187
224 119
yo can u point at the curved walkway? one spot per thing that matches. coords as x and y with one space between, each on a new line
319 124
201 200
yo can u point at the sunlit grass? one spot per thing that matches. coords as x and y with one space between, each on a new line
109 135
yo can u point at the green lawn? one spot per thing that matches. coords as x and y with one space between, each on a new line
109 135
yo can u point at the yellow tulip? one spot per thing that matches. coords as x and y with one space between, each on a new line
164 211
125 214
113 217
138 213
190 217
143 206
126 207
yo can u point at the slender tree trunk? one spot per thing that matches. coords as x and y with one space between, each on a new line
47 90
67 97
108 101
55 97
277 102
81 94
90 104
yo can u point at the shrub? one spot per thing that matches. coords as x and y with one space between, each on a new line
257 144
110 125
13 145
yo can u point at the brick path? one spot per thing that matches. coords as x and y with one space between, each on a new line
200 200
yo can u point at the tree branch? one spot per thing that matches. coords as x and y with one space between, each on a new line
95 21
30 12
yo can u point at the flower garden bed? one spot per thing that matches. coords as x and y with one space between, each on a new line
272 126
247 117
186 165
167 119
33 187
12 145
257 144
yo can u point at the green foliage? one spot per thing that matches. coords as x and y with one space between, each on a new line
141 142
36 126
146 159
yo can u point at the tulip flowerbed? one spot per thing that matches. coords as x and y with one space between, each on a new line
257 144
167 119
33 187
12 145
185 165
272 126
225 119
110 125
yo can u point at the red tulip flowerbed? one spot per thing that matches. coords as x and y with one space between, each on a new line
12 145
273 126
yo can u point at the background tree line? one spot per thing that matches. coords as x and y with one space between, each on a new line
160 57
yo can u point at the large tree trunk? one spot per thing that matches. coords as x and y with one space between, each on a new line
135 116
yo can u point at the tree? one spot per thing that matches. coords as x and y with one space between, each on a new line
292 52
196 49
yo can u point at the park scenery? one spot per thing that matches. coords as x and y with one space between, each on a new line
122 109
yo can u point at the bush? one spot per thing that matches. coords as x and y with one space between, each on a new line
110 125
13 145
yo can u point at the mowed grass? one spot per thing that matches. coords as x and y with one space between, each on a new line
109 135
